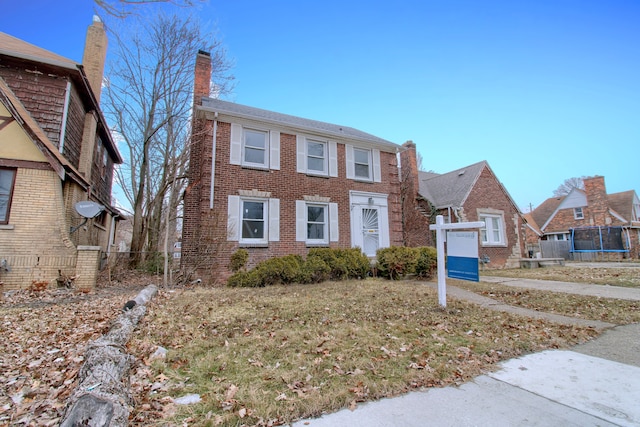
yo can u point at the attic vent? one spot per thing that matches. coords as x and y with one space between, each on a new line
461 173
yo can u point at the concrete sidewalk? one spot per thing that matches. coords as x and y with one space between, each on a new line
594 384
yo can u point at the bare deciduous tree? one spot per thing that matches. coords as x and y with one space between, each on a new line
124 8
568 185
148 102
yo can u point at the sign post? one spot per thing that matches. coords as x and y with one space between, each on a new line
441 232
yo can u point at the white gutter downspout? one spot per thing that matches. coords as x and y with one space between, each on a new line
63 129
213 159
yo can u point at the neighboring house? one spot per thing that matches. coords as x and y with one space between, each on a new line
591 221
276 184
55 151
472 193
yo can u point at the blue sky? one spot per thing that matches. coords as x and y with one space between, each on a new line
543 90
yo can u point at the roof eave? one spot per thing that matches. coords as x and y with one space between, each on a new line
386 145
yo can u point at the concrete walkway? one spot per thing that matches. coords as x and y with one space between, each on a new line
595 384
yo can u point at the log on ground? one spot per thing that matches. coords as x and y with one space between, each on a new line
103 397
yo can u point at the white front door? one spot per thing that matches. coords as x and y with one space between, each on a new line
370 230
369 221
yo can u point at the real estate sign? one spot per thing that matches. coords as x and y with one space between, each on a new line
462 255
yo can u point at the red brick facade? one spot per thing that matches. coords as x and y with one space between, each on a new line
206 248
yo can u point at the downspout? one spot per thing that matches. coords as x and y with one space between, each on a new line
65 112
213 158
455 212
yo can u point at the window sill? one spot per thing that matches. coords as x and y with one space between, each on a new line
254 245
7 227
256 168
493 245
317 245
317 175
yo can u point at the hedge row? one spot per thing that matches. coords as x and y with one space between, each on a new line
321 264
333 264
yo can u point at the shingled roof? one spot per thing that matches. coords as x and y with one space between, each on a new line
451 188
622 203
293 122
17 48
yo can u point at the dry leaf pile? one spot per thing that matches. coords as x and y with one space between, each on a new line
44 336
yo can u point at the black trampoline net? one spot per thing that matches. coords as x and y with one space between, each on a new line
597 239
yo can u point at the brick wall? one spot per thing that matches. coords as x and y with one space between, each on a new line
204 226
36 243
488 196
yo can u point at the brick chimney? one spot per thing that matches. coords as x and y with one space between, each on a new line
409 166
597 201
202 83
95 54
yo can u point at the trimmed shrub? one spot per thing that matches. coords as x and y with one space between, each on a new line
239 260
321 264
427 262
396 261
314 270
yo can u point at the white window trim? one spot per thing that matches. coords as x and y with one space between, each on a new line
375 174
577 215
331 224
271 149
489 231
331 156
271 220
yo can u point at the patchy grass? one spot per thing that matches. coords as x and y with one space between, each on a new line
610 310
613 276
267 356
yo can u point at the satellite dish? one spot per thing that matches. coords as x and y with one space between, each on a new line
89 209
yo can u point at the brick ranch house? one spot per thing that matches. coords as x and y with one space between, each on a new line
277 184
55 151
471 193
593 224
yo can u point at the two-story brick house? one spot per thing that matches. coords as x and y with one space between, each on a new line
277 184
591 221
471 193
55 151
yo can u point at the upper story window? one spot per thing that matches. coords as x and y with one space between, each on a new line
577 213
316 157
363 164
493 231
253 147
7 180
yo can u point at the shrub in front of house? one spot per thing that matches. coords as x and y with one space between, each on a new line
321 264
396 262
427 262
239 260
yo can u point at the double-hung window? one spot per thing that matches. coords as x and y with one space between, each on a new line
317 224
253 219
316 221
254 147
362 163
7 179
254 224
493 231
577 213
317 157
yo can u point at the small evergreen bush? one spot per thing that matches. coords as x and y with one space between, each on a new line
239 260
427 262
396 262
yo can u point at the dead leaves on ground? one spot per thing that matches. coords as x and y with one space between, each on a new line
44 336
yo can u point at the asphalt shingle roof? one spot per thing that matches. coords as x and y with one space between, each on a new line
239 110
451 188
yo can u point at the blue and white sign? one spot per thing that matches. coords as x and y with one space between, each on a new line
462 255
